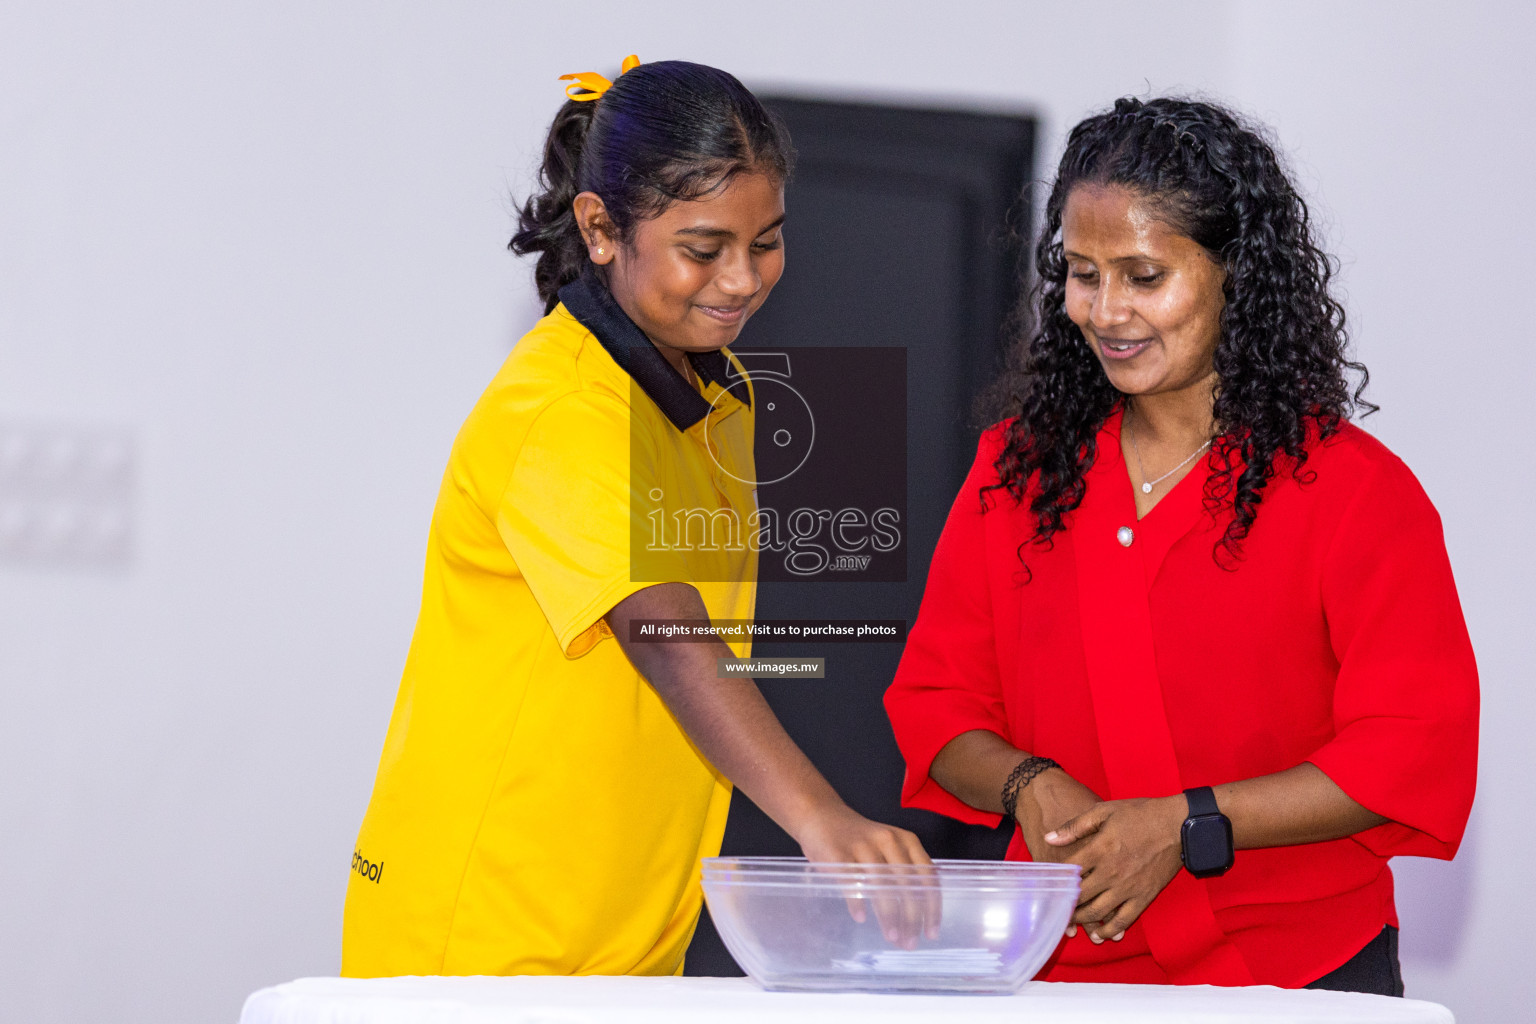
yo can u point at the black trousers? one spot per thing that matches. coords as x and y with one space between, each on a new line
1374 969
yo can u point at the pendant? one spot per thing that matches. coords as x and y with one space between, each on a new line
1146 488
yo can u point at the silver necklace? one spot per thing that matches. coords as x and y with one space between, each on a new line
1146 486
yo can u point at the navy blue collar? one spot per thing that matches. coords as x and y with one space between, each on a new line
590 302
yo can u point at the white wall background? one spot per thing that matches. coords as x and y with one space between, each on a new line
268 239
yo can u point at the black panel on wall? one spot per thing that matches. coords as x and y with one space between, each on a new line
897 235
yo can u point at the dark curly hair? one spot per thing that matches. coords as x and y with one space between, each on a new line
663 132
1281 359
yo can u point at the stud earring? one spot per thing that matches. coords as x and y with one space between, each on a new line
599 252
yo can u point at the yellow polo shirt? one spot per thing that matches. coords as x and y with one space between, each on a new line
537 809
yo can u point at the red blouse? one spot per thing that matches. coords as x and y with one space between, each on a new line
1146 669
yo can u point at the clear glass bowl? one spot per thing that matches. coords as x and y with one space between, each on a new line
959 926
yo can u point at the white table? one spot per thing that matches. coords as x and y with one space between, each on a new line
627 1000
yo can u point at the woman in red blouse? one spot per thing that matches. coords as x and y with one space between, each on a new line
1182 605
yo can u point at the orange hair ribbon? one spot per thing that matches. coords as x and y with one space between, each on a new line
589 85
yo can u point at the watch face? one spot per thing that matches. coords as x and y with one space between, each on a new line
1207 845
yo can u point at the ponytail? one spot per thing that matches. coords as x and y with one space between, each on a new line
662 133
546 224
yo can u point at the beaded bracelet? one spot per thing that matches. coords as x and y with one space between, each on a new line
1020 777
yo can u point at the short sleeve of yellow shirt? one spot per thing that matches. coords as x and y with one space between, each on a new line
537 810
567 513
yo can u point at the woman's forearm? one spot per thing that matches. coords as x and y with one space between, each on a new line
1129 848
1289 808
973 767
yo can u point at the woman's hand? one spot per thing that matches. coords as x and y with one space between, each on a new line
1051 800
974 766
840 834
1047 803
1128 850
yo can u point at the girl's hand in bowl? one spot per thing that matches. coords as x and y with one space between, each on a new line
842 835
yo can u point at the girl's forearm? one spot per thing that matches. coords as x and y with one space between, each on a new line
728 719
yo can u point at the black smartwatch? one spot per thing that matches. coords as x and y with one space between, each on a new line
1206 839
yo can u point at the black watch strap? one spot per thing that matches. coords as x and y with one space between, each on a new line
1202 801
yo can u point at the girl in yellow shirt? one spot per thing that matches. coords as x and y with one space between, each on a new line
548 786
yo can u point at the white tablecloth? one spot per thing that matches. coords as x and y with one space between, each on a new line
543 1000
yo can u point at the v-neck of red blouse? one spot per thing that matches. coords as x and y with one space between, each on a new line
1174 516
